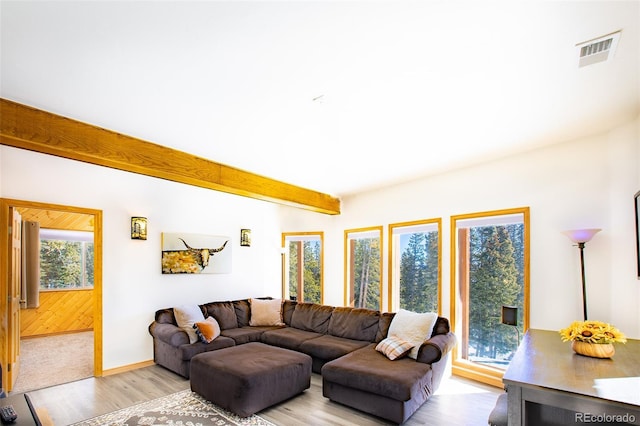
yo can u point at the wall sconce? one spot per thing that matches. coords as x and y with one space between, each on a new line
138 228
245 237
580 237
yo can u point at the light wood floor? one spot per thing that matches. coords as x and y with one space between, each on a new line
458 402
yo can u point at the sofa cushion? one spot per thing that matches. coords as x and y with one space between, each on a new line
246 334
224 313
311 317
186 316
354 323
243 312
266 312
288 337
288 306
394 347
370 371
383 325
188 351
413 327
330 347
207 330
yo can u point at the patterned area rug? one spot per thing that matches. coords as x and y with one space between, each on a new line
182 408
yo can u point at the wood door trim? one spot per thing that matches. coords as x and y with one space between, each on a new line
5 203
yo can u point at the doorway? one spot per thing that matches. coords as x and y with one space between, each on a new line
50 216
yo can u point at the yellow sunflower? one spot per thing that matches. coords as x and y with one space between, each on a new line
592 332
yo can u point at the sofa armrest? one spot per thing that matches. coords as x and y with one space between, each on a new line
169 333
434 349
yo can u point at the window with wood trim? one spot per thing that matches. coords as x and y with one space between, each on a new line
66 259
303 267
363 267
489 270
415 265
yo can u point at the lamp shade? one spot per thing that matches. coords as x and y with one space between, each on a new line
581 235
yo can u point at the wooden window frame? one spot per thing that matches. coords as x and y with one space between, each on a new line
349 248
392 254
285 264
460 366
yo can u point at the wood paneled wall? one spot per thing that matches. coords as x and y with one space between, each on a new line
60 311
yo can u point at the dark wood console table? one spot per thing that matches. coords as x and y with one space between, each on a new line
26 414
548 384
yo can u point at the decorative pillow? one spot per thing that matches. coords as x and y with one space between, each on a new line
207 330
186 316
394 347
412 327
266 312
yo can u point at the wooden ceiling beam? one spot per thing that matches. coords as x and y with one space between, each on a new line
29 128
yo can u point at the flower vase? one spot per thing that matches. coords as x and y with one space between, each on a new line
594 350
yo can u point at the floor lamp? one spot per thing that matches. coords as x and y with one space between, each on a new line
580 237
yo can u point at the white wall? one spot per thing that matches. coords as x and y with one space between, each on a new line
586 183
133 286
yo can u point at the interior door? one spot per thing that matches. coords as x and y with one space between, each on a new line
13 322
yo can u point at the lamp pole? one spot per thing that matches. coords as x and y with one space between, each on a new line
584 286
581 237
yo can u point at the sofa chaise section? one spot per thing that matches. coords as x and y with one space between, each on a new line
366 380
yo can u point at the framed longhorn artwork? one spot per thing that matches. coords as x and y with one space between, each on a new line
195 254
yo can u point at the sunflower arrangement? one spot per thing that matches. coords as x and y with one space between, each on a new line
592 332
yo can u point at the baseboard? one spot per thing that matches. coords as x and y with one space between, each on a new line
55 333
129 367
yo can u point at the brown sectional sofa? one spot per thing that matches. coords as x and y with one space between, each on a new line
341 342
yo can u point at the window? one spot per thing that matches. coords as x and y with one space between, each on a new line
66 259
302 269
490 269
414 266
363 267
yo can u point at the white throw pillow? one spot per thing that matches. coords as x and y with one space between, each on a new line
413 327
186 316
266 312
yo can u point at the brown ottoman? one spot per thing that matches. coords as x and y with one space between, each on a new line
248 378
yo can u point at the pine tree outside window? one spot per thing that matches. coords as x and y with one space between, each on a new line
415 266
363 267
303 267
66 259
490 269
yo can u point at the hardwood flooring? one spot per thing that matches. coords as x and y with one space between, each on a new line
458 402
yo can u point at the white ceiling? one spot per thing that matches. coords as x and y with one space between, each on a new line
335 96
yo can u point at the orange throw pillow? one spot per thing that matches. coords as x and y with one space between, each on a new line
207 330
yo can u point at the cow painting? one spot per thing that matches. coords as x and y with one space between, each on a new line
195 254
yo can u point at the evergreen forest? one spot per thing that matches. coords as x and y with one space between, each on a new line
496 279
66 264
311 271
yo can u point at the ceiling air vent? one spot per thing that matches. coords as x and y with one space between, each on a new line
597 50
